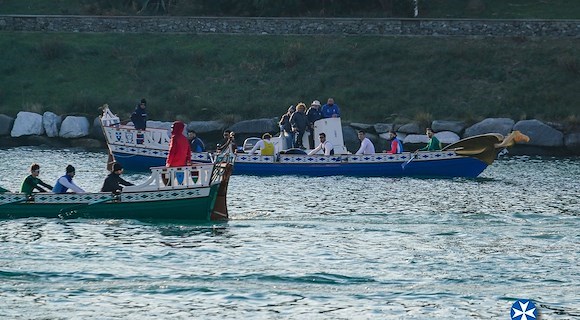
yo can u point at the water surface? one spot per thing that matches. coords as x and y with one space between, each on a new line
306 248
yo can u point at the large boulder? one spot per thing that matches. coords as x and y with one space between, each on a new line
74 127
51 123
350 137
26 124
572 142
258 126
6 123
416 139
97 130
363 126
158 124
206 126
412 128
540 134
383 127
447 137
490 125
447 125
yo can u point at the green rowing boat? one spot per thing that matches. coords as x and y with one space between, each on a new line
196 193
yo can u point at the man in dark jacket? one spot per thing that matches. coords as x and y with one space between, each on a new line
299 123
313 114
139 116
114 181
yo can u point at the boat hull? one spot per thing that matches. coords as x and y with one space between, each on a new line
435 164
185 204
457 167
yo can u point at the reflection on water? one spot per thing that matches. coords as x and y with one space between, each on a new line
314 248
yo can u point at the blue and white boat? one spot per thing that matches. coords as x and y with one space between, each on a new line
138 150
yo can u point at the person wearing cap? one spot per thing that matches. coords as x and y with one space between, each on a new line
33 182
330 109
139 116
266 147
114 182
299 124
64 183
326 147
313 114
179 148
286 128
195 142
396 144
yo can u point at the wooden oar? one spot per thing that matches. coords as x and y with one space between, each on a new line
14 201
68 211
413 156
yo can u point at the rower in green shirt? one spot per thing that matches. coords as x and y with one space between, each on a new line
434 144
33 182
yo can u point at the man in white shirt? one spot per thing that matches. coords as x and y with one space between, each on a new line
366 145
324 145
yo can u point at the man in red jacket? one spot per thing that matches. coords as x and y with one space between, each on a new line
179 148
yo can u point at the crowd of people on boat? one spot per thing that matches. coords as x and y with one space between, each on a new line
296 122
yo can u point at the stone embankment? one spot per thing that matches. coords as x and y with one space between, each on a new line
293 26
49 129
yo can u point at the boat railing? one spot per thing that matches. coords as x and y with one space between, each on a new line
163 178
127 136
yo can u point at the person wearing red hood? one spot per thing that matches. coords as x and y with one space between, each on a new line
179 148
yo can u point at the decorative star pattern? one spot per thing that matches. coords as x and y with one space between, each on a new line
523 310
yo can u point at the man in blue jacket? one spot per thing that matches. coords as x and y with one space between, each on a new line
330 109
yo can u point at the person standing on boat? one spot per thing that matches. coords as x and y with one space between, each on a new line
434 144
65 182
313 114
265 146
330 109
326 147
366 145
195 142
299 123
229 142
179 148
33 182
396 144
139 116
286 128
114 182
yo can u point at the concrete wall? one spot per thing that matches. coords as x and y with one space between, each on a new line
293 26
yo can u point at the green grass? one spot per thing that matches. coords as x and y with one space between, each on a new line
373 79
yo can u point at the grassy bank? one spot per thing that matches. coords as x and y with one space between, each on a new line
237 77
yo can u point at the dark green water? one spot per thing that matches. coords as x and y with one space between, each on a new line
306 248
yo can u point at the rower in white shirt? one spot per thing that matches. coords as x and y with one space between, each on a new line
366 145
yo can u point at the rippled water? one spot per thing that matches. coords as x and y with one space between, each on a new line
306 248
